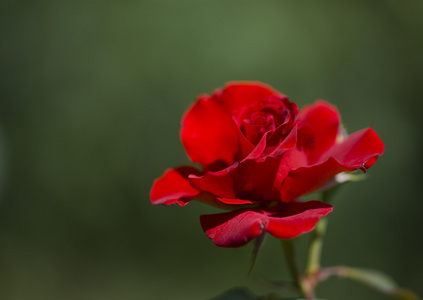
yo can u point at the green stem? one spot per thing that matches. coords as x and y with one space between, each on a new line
293 266
316 245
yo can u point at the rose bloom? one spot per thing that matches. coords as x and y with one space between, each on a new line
258 155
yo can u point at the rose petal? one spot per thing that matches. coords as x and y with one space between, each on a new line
236 201
291 160
322 121
174 187
278 143
237 94
268 147
307 179
358 151
211 137
299 218
238 227
250 179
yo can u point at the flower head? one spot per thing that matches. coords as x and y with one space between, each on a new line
259 154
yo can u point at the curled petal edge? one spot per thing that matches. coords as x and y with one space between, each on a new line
173 187
359 151
238 227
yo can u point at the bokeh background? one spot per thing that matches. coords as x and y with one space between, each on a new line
92 93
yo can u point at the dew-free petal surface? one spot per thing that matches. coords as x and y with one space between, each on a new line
174 187
238 227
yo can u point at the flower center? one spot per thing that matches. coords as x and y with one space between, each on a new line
258 118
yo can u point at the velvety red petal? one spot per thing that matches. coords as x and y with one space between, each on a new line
220 184
359 150
298 218
210 135
237 94
271 145
291 160
250 179
307 179
174 187
236 228
322 121
278 144
223 203
235 201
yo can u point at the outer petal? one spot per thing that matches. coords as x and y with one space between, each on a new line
322 121
210 135
307 179
237 94
174 187
236 228
359 151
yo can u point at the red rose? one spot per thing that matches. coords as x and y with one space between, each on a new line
258 156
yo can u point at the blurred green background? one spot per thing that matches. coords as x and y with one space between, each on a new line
92 93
